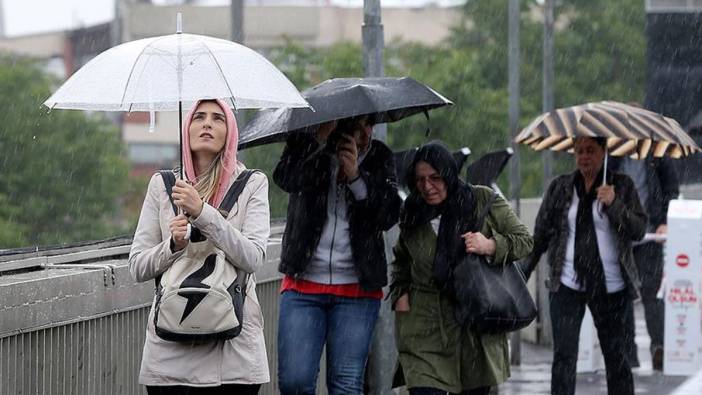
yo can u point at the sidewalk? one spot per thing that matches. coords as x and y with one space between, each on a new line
534 375
693 386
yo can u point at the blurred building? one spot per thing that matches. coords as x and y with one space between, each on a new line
267 24
674 78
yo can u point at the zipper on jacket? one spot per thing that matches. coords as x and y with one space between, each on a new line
336 216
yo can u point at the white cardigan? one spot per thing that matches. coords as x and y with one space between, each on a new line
243 237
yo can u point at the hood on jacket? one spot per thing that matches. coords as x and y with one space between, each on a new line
229 161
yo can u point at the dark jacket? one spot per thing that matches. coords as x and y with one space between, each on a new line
551 232
304 172
663 186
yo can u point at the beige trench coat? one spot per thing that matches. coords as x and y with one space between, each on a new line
242 237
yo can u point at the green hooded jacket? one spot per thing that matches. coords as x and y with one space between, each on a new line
434 351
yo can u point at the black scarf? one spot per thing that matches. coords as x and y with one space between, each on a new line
587 261
457 211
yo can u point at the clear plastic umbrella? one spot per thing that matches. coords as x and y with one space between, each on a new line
166 72
160 72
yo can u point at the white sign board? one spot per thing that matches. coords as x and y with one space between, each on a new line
683 288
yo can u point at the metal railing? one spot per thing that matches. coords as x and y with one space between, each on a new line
73 320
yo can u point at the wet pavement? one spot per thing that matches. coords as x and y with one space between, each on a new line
534 375
693 386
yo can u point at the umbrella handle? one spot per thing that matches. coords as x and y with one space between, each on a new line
604 174
180 136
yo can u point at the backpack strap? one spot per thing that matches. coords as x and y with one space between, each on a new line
227 204
169 180
234 191
229 199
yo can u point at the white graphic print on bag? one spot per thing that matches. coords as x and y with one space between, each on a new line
200 297
195 281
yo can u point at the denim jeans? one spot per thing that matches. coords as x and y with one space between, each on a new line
608 313
434 391
308 322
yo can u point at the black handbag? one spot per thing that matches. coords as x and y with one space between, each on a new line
490 298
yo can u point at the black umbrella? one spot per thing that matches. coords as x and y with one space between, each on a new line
486 169
387 99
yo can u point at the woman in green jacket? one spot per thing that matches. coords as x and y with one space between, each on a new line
437 355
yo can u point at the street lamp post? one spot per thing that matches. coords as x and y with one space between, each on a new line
548 76
548 105
373 45
383 354
514 174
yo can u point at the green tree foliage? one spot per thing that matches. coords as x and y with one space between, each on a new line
63 172
599 55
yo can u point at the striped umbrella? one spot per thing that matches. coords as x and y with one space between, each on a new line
630 130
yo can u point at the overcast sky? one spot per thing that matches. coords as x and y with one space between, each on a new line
35 16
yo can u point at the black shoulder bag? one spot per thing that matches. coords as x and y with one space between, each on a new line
490 298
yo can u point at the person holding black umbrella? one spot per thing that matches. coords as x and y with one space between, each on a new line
588 226
343 195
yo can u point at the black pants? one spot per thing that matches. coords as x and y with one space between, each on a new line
649 261
224 389
608 312
434 391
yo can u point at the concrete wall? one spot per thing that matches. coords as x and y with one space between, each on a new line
42 46
165 131
655 6
268 26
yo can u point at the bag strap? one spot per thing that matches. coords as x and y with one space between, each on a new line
484 212
229 199
235 190
169 180
227 203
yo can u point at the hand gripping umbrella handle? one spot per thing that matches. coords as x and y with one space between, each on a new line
604 172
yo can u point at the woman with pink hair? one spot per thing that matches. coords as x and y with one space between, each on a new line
238 365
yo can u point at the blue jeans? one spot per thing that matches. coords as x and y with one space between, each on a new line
434 391
306 323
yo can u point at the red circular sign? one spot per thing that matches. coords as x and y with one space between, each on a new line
682 260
